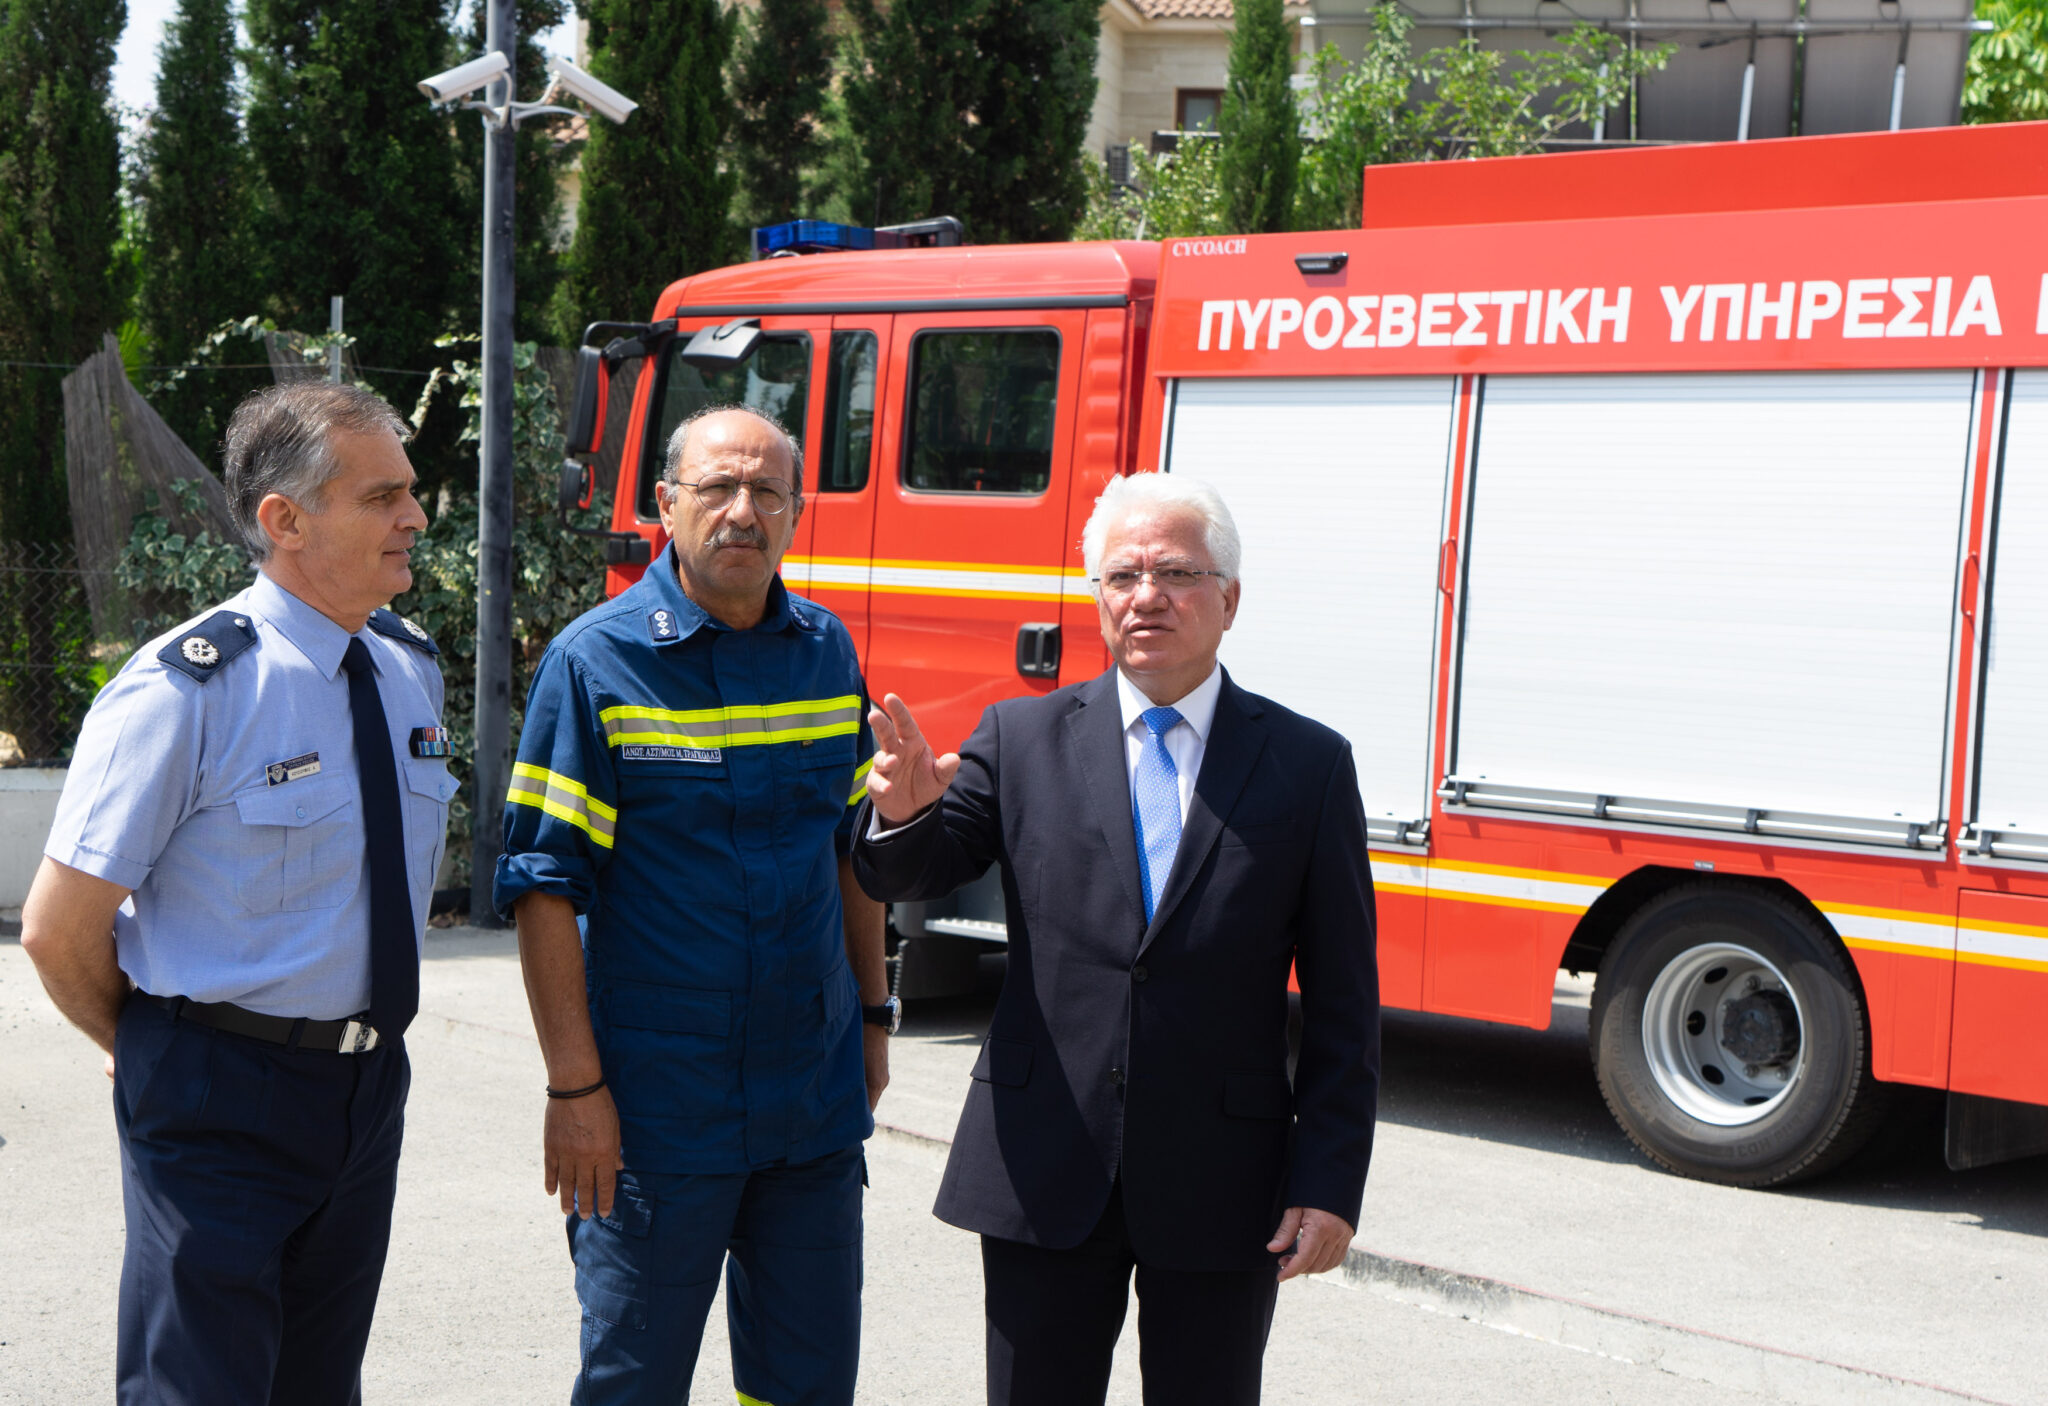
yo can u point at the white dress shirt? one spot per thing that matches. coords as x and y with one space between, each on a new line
1186 740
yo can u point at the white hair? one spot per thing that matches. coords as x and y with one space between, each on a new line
1168 491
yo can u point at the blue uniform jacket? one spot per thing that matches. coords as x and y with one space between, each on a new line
689 788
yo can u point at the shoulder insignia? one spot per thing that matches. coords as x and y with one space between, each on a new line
661 625
404 631
803 618
200 652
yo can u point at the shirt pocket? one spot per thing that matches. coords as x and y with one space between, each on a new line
429 792
825 765
302 846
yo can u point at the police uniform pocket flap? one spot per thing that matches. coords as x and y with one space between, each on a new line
1004 1062
1257 1096
675 1008
431 780
296 803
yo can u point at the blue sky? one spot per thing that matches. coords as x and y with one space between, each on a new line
135 59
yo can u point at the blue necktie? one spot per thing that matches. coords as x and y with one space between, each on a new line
1155 808
394 946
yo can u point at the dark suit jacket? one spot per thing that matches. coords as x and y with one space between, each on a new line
1157 1051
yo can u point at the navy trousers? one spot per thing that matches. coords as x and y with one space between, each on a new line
1054 1317
257 1183
789 1240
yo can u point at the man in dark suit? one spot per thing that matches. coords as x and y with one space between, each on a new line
1170 844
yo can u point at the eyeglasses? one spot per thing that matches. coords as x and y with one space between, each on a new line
716 493
1172 579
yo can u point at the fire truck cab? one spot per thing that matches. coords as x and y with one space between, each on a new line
1667 530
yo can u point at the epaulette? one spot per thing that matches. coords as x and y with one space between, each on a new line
201 650
802 618
404 631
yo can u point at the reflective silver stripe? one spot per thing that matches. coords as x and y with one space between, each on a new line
564 799
741 725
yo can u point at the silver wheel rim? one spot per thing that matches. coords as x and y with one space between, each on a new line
1715 1026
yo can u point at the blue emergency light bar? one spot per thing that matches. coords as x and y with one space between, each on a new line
826 237
810 237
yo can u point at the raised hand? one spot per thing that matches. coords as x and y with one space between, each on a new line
906 777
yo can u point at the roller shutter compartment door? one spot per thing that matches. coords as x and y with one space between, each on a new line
2012 767
1717 593
1337 486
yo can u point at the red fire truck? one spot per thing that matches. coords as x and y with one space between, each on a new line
1667 529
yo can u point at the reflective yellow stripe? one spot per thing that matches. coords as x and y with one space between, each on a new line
564 799
746 1400
740 725
860 781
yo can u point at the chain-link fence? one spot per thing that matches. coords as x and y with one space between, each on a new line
51 661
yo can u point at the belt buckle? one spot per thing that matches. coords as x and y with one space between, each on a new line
357 1038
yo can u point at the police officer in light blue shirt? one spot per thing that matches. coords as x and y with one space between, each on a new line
231 904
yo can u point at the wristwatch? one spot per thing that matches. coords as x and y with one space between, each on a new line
888 1015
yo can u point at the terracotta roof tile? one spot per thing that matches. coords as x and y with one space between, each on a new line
1194 9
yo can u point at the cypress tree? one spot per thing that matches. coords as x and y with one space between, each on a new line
911 89
780 79
656 202
59 219
1261 132
194 189
1038 86
974 108
358 191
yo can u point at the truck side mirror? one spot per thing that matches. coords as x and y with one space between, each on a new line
586 411
576 486
720 348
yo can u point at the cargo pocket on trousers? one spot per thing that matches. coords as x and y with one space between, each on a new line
611 1254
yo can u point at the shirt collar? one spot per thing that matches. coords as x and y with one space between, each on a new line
1197 709
689 616
321 640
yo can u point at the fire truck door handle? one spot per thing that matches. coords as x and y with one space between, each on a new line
1970 580
1447 568
1038 651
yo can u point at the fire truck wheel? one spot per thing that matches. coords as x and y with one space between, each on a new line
1730 1038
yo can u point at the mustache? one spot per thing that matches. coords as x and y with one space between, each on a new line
736 536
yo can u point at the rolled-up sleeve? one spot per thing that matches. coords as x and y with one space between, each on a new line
133 775
561 809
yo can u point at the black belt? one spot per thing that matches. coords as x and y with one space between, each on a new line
350 1036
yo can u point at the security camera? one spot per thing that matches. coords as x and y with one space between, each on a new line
461 82
600 98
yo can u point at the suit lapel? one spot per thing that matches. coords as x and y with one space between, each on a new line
1095 737
1235 741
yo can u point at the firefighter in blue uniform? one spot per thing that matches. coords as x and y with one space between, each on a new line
231 904
706 978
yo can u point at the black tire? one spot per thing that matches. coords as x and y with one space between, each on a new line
1727 1069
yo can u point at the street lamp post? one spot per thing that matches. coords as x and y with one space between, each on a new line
490 765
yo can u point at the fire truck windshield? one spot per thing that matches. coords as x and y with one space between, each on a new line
774 380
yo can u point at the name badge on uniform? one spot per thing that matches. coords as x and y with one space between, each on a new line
277 773
636 752
430 742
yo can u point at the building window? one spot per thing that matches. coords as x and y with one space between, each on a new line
1196 109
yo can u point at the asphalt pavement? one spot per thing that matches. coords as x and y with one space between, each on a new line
1513 1246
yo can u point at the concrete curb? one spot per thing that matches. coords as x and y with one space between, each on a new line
1627 1337
1692 1353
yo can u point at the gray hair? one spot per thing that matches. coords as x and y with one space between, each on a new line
281 440
672 464
1167 491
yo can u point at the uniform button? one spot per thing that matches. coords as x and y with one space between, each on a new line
1116 1075
1138 973
301 812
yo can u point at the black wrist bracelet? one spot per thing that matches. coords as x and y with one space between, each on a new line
554 1092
